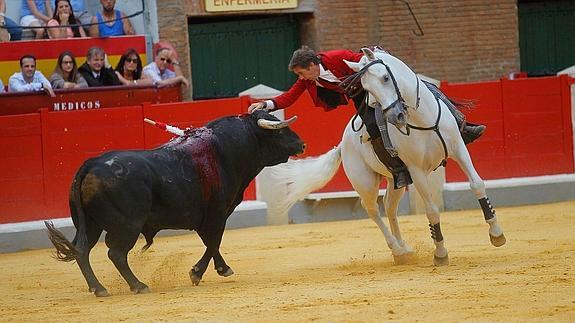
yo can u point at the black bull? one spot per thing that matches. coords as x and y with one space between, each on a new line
192 182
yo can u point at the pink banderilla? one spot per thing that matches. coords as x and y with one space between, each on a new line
166 127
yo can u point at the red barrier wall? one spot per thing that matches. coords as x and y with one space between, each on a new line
87 98
529 134
42 151
529 131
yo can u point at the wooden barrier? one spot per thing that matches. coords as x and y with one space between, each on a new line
529 134
87 99
529 131
42 151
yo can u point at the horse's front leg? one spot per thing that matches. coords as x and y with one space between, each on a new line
440 256
476 184
391 204
366 182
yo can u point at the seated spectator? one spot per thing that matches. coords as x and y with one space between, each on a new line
129 69
110 22
29 79
35 13
66 75
66 21
8 26
97 71
81 14
158 70
2 90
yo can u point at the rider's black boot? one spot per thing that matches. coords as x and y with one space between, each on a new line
471 131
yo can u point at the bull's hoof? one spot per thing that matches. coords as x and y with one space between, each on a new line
196 275
101 293
195 279
141 289
404 259
497 241
440 261
225 273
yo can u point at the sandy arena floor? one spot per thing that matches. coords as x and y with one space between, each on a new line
336 271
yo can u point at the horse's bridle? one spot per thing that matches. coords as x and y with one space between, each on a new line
404 106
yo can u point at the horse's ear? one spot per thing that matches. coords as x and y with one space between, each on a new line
353 65
368 53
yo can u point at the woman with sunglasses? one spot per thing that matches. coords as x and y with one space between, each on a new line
66 75
129 69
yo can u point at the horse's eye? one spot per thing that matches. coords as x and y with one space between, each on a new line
386 78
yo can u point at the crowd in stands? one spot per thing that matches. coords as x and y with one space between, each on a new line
65 19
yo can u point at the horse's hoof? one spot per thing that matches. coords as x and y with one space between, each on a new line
441 261
497 241
226 273
404 259
101 293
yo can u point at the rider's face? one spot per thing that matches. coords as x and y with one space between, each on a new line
310 73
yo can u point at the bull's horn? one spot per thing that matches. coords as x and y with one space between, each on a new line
269 124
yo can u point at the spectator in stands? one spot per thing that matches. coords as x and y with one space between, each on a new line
129 69
8 25
158 70
66 21
97 71
35 13
2 87
29 79
81 14
66 75
110 22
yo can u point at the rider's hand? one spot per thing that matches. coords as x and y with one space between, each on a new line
257 106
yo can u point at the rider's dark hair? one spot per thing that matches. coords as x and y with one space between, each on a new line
303 57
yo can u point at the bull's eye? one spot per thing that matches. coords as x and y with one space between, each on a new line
386 78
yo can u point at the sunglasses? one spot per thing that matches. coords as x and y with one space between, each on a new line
131 60
163 59
67 62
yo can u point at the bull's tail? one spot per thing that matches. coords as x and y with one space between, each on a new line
303 176
66 250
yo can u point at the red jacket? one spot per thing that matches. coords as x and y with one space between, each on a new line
330 60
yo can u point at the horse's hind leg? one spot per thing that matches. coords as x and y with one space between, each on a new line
440 256
478 187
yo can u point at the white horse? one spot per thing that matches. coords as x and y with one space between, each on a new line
394 85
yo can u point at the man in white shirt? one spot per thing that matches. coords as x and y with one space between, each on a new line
28 79
158 70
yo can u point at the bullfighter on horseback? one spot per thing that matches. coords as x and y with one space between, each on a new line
322 73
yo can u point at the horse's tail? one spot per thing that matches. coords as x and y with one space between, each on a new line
303 176
66 250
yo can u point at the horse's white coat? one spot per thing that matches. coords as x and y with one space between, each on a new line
421 151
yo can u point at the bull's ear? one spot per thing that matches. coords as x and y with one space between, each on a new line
368 53
353 65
